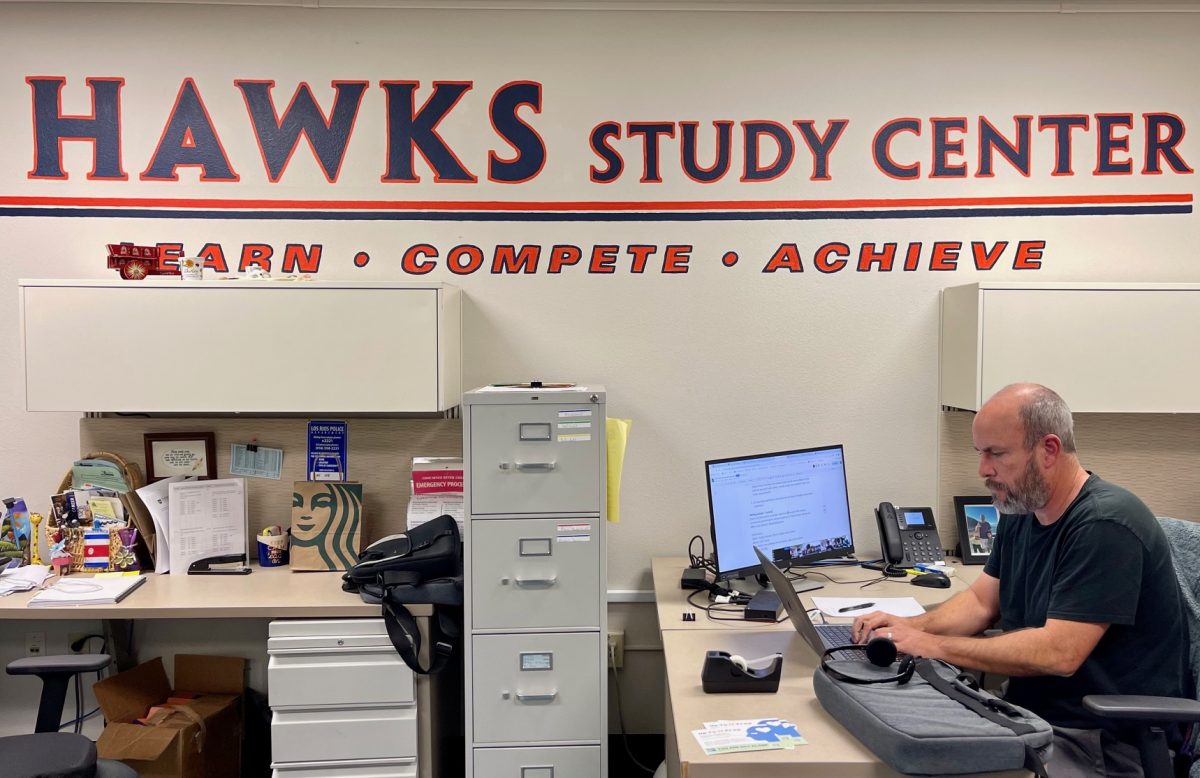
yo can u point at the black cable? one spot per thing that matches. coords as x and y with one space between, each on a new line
612 663
831 579
701 562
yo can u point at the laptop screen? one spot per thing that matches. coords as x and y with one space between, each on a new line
792 504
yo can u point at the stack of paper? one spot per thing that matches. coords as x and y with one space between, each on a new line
22 579
86 591
156 498
437 489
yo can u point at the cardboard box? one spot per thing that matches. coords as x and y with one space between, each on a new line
200 737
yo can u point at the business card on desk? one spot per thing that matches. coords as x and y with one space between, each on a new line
731 736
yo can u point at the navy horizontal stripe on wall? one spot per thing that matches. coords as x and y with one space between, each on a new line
584 216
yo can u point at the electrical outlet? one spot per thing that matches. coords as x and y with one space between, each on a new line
616 646
35 644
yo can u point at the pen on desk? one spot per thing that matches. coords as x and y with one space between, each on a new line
858 607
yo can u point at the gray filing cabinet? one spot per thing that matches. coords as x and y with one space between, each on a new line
536 611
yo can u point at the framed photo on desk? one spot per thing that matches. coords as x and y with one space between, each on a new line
180 453
977 519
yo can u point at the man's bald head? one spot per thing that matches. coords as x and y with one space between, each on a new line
1040 411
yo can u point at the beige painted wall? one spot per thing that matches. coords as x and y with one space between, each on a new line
717 362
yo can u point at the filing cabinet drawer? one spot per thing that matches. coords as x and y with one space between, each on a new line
536 459
332 734
535 573
540 686
358 768
565 762
345 674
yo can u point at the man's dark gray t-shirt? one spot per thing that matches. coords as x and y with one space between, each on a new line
1106 561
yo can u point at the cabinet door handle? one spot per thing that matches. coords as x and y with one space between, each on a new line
547 697
529 467
537 581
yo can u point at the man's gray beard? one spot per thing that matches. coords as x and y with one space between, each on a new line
1029 494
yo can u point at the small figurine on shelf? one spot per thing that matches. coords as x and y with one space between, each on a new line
136 262
34 557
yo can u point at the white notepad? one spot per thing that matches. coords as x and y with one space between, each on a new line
86 591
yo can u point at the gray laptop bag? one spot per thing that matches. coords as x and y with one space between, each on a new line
937 723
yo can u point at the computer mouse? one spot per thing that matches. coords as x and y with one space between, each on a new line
934 580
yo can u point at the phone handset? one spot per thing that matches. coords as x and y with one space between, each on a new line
908 535
889 535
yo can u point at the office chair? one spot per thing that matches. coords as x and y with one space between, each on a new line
49 752
1148 715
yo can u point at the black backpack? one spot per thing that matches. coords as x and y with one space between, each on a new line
423 565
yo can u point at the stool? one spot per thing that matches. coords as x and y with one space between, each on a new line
56 672
50 752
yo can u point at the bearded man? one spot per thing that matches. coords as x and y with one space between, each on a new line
1079 578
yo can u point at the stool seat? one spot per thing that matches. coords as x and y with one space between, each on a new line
56 672
57 754
64 663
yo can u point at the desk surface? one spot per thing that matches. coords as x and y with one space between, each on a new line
267 593
831 751
672 603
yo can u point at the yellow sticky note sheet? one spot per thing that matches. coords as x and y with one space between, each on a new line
617 433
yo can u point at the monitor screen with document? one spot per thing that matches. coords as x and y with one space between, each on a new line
792 504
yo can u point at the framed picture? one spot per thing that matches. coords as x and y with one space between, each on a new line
180 453
977 521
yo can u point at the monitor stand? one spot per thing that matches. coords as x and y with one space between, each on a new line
752 586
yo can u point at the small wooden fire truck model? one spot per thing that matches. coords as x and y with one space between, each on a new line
136 262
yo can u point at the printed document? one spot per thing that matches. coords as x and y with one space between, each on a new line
206 518
154 497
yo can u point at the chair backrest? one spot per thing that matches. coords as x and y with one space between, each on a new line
1184 537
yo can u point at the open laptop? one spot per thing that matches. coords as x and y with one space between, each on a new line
819 636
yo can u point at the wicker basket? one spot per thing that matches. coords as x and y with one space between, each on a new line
74 535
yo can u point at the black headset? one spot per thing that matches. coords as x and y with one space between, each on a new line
881 651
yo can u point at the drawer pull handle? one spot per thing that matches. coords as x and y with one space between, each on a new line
535 582
547 697
529 467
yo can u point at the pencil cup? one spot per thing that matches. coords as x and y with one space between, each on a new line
272 550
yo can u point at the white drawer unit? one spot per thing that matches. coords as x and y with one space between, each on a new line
400 342
535 458
324 734
540 573
536 615
537 684
565 762
357 768
300 673
342 701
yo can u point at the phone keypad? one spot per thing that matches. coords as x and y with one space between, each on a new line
923 547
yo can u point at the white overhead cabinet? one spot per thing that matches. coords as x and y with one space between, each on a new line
1130 348
244 346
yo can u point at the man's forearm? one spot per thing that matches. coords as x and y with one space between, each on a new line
963 614
1022 653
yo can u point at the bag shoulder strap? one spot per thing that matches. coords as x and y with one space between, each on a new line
405 635
989 707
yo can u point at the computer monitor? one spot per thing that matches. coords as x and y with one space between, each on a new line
792 504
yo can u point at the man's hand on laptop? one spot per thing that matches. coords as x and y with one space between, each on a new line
908 639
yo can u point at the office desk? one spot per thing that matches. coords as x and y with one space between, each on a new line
831 751
267 593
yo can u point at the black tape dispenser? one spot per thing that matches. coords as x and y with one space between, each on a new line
729 673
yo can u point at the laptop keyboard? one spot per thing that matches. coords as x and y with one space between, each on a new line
834 635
